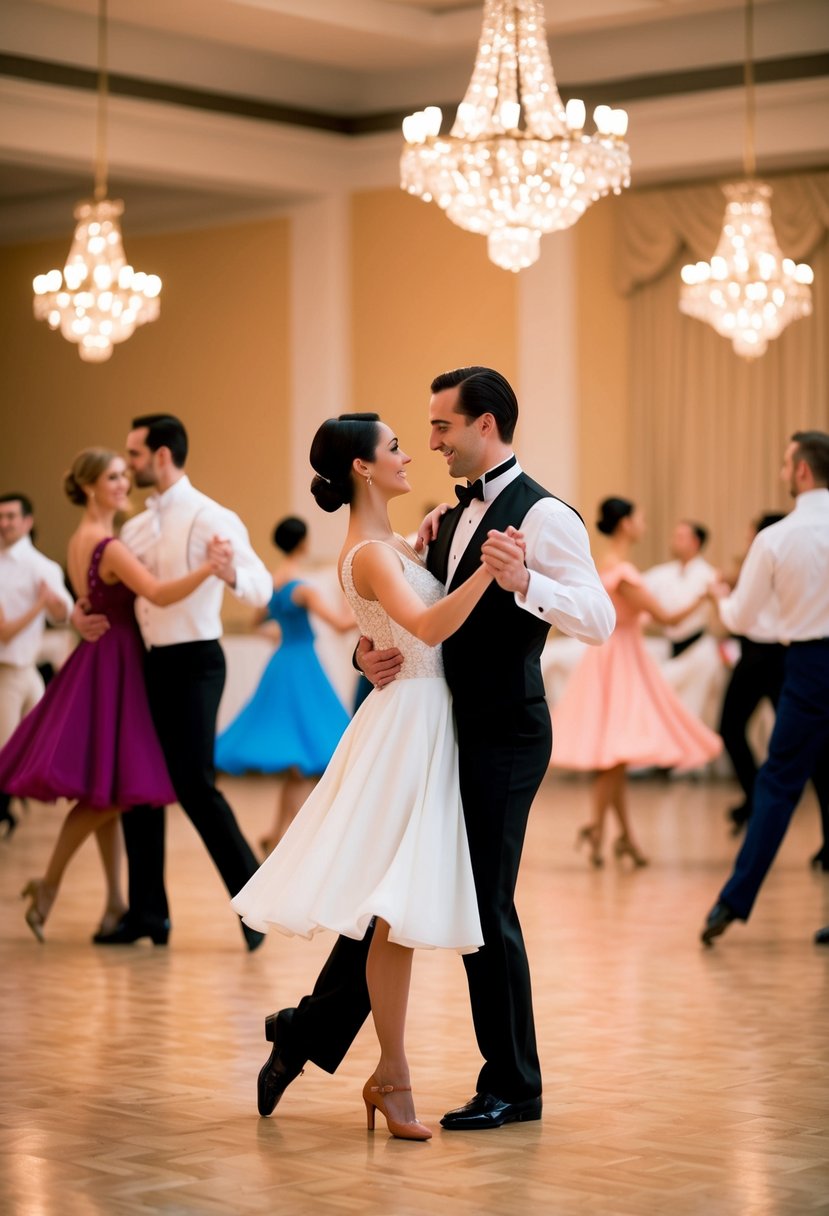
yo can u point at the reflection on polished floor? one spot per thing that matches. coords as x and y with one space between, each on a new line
678 1080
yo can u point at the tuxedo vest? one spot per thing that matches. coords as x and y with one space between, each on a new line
493 658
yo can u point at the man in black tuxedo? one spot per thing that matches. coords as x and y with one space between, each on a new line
538 551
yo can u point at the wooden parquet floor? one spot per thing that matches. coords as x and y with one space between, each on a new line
677 1080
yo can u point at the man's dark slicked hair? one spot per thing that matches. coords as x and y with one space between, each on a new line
482 391
164 431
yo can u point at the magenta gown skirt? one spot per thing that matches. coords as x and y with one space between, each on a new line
91 737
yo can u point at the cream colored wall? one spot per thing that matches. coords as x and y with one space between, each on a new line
602 339
218 357
425 298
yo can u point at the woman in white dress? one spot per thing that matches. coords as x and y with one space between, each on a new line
382 836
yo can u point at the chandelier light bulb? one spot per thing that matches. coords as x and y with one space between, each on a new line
507 182
575 113
748 292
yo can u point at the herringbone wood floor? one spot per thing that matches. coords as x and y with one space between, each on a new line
677 1080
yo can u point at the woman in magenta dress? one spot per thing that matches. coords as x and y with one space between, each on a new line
617 709
91 737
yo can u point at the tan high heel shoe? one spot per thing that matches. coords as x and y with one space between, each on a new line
589 835
42 898
624 847
373 1098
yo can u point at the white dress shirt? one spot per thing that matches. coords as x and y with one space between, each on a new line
22 569
788 567
171 537
564 589
676 585
789 564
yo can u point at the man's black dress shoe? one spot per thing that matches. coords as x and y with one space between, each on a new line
485 1110
822 936
820 861
718 920
131 929
282 1067
7 818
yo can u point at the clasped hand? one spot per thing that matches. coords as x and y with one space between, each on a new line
503 554
220 557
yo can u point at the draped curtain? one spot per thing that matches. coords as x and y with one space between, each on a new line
709 427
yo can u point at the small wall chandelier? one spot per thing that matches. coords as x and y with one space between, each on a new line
99 299
748 291
517 163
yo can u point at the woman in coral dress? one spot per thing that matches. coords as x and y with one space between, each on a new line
294 719
91 738
617 709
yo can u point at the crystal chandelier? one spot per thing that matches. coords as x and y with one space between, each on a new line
748 291
517 163
99 299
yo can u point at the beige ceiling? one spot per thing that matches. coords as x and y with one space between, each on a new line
352 59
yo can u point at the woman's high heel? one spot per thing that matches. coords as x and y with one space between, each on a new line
42 898
590 835
373 1098
624 847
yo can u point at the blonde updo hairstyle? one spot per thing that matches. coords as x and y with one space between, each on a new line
86 468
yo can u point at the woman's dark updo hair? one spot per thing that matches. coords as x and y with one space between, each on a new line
87 467
289 532
337 444
611 513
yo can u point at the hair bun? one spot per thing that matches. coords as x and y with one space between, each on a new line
73 490
327 494
611 513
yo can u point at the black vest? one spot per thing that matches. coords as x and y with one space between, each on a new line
493 659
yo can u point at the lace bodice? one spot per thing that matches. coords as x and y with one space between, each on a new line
420 660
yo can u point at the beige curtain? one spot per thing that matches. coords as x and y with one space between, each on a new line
709 427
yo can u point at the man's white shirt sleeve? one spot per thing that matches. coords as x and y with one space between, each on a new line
254 584
564 589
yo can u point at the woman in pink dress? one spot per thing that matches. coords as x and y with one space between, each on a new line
617 709
91 737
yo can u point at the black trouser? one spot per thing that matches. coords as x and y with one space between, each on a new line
185 684
503 759
758 674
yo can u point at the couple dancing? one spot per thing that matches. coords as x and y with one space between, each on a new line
411 839
124 728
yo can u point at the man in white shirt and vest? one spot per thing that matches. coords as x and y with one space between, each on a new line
185 670
31 589
787 563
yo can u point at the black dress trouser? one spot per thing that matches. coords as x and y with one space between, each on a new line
503 759
758 674
184 685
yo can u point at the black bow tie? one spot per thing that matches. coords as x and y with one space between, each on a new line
468 492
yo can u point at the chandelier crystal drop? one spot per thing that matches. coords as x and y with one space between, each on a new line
517 163
99 300
749 292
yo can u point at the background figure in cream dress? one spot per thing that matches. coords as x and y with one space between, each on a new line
294 720
381 838
91 738
617 710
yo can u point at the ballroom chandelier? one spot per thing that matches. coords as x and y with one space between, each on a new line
99 299
517 163
748 291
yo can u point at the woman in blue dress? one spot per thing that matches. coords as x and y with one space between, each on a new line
294 720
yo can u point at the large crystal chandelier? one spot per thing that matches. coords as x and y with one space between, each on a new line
99 299
748 291
517 163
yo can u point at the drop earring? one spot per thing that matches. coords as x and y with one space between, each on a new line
369 482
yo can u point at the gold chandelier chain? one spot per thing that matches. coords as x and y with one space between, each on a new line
103 92
749 158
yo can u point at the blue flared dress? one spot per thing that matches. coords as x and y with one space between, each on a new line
294 719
